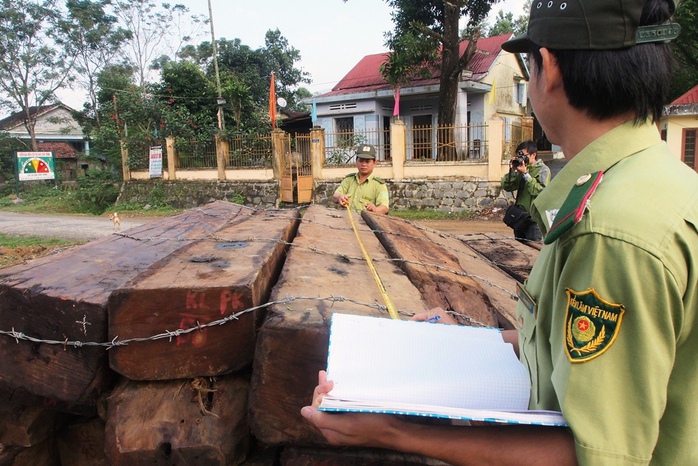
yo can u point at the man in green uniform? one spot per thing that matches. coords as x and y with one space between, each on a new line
608 316
363 190
527 175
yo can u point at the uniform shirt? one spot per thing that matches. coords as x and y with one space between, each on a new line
611 336
527 188
373 190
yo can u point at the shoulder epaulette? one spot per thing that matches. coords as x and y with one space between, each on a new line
575 205
380 180
351 174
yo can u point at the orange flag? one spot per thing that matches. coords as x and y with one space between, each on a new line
272 102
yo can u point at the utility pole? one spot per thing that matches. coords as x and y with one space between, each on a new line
221 100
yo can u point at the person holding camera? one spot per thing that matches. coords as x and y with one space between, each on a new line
527 176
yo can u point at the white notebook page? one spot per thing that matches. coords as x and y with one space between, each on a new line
380 359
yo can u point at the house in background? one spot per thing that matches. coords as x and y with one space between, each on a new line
493 85
57 132
679 126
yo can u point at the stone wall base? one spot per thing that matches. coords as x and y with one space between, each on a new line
445 195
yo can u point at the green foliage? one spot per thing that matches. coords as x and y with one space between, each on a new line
426 36
12 241
411 214
245 75
505 23
237 198
686 48
97 192
8 159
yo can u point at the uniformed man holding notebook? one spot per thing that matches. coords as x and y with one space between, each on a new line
608 316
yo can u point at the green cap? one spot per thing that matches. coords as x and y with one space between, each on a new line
366 151
588 25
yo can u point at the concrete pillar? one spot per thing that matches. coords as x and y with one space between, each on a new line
495 147
317 151
278 148
221 156
171 153
398 148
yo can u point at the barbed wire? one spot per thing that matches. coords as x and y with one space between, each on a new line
170 334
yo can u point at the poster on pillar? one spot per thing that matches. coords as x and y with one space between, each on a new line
155 162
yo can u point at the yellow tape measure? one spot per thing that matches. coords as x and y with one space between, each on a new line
388 303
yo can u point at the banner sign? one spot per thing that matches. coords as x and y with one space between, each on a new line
35 166
156 162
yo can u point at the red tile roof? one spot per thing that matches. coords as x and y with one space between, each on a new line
366 75
690 97
61 150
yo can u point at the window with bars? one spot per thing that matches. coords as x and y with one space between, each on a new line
688 147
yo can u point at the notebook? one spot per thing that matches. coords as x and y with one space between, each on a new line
390 366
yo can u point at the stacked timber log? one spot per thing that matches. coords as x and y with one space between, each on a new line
216 323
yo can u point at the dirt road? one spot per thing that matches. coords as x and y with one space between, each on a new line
90 227
63 226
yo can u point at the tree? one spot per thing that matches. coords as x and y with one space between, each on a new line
245 75
96 39
686 47
151 28
505 23
426 38
32 65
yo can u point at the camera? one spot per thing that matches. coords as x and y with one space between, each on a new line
520 158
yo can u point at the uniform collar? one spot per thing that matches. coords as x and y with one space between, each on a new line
368 178
604 152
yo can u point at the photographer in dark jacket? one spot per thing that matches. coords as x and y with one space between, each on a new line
527 176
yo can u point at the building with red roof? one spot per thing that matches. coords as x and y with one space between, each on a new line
493 85
679 126
56 131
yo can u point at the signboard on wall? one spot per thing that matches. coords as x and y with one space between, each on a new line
156 162
35 166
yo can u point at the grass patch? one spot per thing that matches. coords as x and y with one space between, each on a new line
18 249
411 214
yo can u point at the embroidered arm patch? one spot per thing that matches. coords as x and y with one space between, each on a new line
591 324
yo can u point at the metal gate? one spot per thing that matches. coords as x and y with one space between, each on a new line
297 176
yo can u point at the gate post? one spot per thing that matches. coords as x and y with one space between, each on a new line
221 156
278 149
171 158
317 151
495 147
398 148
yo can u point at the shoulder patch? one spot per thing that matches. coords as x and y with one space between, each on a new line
591 325
572 210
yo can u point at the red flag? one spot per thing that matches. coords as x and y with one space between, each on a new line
272 102
396 109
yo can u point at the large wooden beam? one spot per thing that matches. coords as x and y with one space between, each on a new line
64 298
195 421
433 269
512 256
212 279
324 261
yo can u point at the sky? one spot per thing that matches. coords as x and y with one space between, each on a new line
331 35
